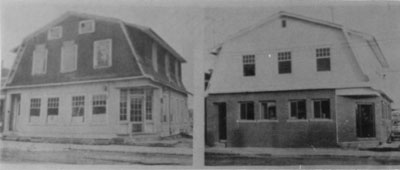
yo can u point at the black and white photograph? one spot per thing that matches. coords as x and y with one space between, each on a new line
303 83
97 82
199 84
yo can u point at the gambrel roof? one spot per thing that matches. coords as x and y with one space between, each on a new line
368 38
133 40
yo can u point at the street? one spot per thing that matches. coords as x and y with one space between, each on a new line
221 159
92 157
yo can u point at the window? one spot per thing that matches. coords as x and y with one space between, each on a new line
39 64
102 53
172 68
35 107
322 109
154 56
177 76
249 65
54 33
323 59
78 106
86 26
283 23
69 52
52 106
268 110
298 109
167 65
284 62
149 104
99 104
123 105
246 111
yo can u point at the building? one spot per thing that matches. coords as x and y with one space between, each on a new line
87 76
4 74
294 81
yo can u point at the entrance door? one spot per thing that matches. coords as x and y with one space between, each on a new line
222 120
136 113
365 121
14 112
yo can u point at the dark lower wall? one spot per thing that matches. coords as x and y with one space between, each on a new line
282 133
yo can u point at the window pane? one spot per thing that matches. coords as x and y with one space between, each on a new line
302 114
99 110
249 69
52 111
285 67
272 110
317 109
250 111
325 107
243 111
293 109
323 64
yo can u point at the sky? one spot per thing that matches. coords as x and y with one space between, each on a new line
180 23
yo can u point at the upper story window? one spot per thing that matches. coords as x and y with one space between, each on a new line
102 54
268 110
154 56
247 111
298 109
323 59
54 33
69 54
99 104
39 61
167 65
86 26
284 62
249 65
177 65
172 67
322 109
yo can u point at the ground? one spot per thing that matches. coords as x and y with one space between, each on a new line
93 157
244 160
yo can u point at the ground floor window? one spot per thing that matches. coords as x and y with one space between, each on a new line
35 107
322 109
268 110
99 104
246 110
123 105
52 106
136 96
78 106
298 109
149 104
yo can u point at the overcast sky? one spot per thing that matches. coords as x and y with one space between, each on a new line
179 22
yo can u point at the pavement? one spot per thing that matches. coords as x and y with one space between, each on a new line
31 146
387 150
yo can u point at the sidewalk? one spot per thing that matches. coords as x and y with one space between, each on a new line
30 146
300 152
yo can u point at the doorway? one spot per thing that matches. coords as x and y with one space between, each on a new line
136 114
222 121
14 111
365 121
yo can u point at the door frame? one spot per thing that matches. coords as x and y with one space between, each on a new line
143 107
372 111
13 114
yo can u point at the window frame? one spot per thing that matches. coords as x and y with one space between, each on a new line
73 105
249 60
63 57
323 54
123 105
81 31
294 119
313 110
56 28
262 118
35 56
98 97
240 112
96 48
285 56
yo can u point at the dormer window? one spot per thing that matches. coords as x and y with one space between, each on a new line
69 54
39 60
154 56
102 54
86 26
54 33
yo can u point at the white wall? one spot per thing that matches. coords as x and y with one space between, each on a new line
299 37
